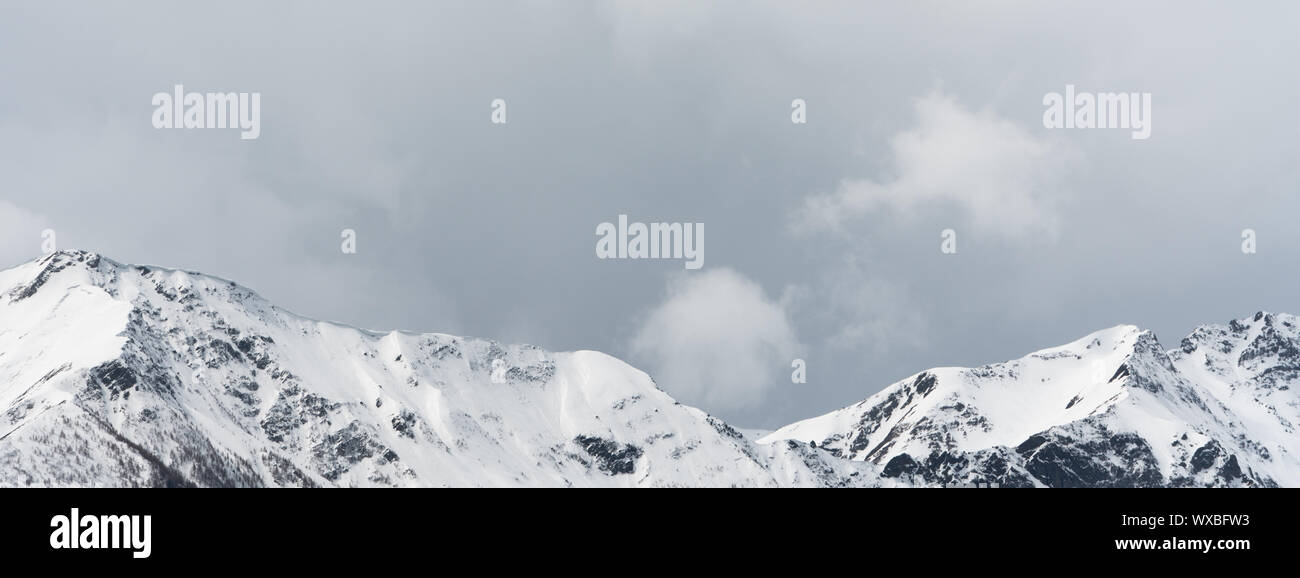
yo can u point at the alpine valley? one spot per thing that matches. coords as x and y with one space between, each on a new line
124 375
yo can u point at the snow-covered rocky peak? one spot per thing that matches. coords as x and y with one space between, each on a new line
115 374
954 408
1112 408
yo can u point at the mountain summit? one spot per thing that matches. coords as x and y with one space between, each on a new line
1111 409
124 375
120 375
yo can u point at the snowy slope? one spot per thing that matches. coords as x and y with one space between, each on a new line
117 375
1111 409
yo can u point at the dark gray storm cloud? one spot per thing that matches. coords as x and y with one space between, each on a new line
921 117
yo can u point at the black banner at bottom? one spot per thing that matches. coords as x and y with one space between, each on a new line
612 529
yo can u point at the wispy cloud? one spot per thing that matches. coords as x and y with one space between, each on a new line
1007 180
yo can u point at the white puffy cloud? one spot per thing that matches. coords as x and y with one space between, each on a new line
717 341
1007 180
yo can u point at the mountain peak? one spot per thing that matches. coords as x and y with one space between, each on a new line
79 255
152 376
64 258
23 281
1111 408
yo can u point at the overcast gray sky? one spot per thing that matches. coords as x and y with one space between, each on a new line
822 239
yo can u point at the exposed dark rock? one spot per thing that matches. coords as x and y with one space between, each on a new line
900 465
610 456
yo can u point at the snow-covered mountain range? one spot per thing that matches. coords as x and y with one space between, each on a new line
123 375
